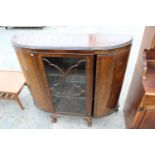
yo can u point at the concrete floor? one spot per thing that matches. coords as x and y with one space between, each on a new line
12 117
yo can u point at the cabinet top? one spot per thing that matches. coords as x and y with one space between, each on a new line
71 41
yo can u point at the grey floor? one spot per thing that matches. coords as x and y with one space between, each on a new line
11 116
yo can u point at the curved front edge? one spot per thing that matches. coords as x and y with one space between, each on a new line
110 71
28 63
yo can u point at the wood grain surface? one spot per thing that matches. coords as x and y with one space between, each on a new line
71 41
139 107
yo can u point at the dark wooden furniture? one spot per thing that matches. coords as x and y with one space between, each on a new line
11 84
76 74
140 106
142 111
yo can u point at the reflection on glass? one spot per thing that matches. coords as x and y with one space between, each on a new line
66 77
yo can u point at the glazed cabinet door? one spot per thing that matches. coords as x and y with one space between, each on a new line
110 70
69 81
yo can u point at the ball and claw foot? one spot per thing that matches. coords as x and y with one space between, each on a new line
54 120
89 121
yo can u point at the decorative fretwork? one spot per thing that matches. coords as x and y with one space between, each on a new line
57 87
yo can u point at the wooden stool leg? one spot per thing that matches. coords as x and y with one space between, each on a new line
19 103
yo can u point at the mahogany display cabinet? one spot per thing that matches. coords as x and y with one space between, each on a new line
74 74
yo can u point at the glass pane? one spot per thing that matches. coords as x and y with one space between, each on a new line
66 77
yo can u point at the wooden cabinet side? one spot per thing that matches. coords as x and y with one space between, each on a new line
28 63
110 71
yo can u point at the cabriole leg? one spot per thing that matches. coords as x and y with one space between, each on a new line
89 121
